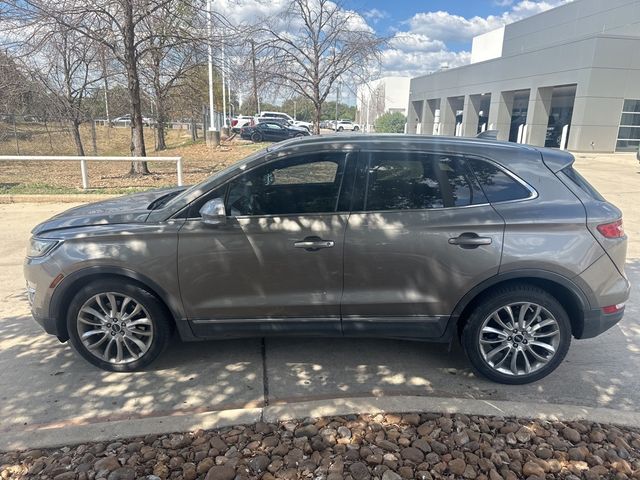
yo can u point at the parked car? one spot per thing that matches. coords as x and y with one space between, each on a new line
504 247
241 121
272 131
284 116
126 119
346 125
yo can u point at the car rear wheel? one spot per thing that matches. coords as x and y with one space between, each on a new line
355 129
340 129
518 334
117 326
299 134
256 137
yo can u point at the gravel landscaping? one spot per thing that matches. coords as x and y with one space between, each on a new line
387 447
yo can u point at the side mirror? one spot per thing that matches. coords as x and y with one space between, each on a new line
213 212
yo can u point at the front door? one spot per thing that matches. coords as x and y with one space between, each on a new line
276 265
421 235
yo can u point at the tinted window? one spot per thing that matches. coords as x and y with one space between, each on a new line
399 181
582 183
498 186
294 185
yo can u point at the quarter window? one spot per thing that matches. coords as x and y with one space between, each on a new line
413 181
294 185
497 185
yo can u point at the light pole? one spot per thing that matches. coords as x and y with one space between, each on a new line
224 94
212 134
337 100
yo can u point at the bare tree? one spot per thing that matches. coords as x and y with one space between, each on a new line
312 44
118 25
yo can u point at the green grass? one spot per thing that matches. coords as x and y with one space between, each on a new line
44 189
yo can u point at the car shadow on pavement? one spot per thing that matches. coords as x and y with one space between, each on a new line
44 383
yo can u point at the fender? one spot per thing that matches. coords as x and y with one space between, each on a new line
585 299
61 296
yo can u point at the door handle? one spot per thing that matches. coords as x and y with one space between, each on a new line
470 240
312 244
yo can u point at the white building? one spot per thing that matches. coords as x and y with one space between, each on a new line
377 97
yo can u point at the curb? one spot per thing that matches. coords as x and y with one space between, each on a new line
121 429
56 198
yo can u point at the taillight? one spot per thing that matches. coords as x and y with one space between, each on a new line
613 308
234 123
612 230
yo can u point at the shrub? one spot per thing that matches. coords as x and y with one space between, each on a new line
391 123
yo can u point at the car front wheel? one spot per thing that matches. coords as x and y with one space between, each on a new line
518 334
117 326
256 137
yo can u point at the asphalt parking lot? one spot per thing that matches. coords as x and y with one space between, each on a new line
44 384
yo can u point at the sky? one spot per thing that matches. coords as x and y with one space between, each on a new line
426 36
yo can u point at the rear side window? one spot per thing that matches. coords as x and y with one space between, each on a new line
497 185
415 181
582 183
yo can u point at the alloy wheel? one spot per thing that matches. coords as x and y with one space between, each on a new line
519 338
115 328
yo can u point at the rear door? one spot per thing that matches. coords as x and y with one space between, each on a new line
420 236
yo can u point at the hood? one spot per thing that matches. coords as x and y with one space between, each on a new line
127 209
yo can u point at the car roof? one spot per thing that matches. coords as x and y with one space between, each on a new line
360 140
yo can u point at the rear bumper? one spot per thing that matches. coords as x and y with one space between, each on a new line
48 324
597 322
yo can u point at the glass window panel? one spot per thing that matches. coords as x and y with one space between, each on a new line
497 185
630 119
629 133
631 106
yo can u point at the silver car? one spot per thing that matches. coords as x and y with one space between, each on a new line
503 247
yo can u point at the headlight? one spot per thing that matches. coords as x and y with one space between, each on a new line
39 247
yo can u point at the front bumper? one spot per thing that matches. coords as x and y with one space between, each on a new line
597 322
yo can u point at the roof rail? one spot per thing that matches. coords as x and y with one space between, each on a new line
488 135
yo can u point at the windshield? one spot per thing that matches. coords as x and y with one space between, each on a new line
203 186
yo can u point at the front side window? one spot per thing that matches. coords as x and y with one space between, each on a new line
414 181
294 185
497 185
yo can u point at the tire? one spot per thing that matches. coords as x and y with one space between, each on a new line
256 137
149 327
299 135
355 129
489 358
340 129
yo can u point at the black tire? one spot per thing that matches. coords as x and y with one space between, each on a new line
492 303
156 311
256 137
299 135
340 129
355 129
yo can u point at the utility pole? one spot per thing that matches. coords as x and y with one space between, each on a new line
255 76
212 135
337 100
224 92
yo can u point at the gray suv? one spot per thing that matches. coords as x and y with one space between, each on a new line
502 246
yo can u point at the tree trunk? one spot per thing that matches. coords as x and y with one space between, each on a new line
160 119
94 137
75 133
316 119
133 85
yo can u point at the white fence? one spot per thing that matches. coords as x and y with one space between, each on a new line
84 171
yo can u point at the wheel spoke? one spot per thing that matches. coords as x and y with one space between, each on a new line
105 354
497 350
527 363
535 315
536 355
506 355
512 319
135 311
123 307
94 312
98 343
141 345
139 321
130 350
89 322
495 331
118 349
496 318
551 333
89 333
546 346
514 361
543 324
523 311
101 305
113 304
